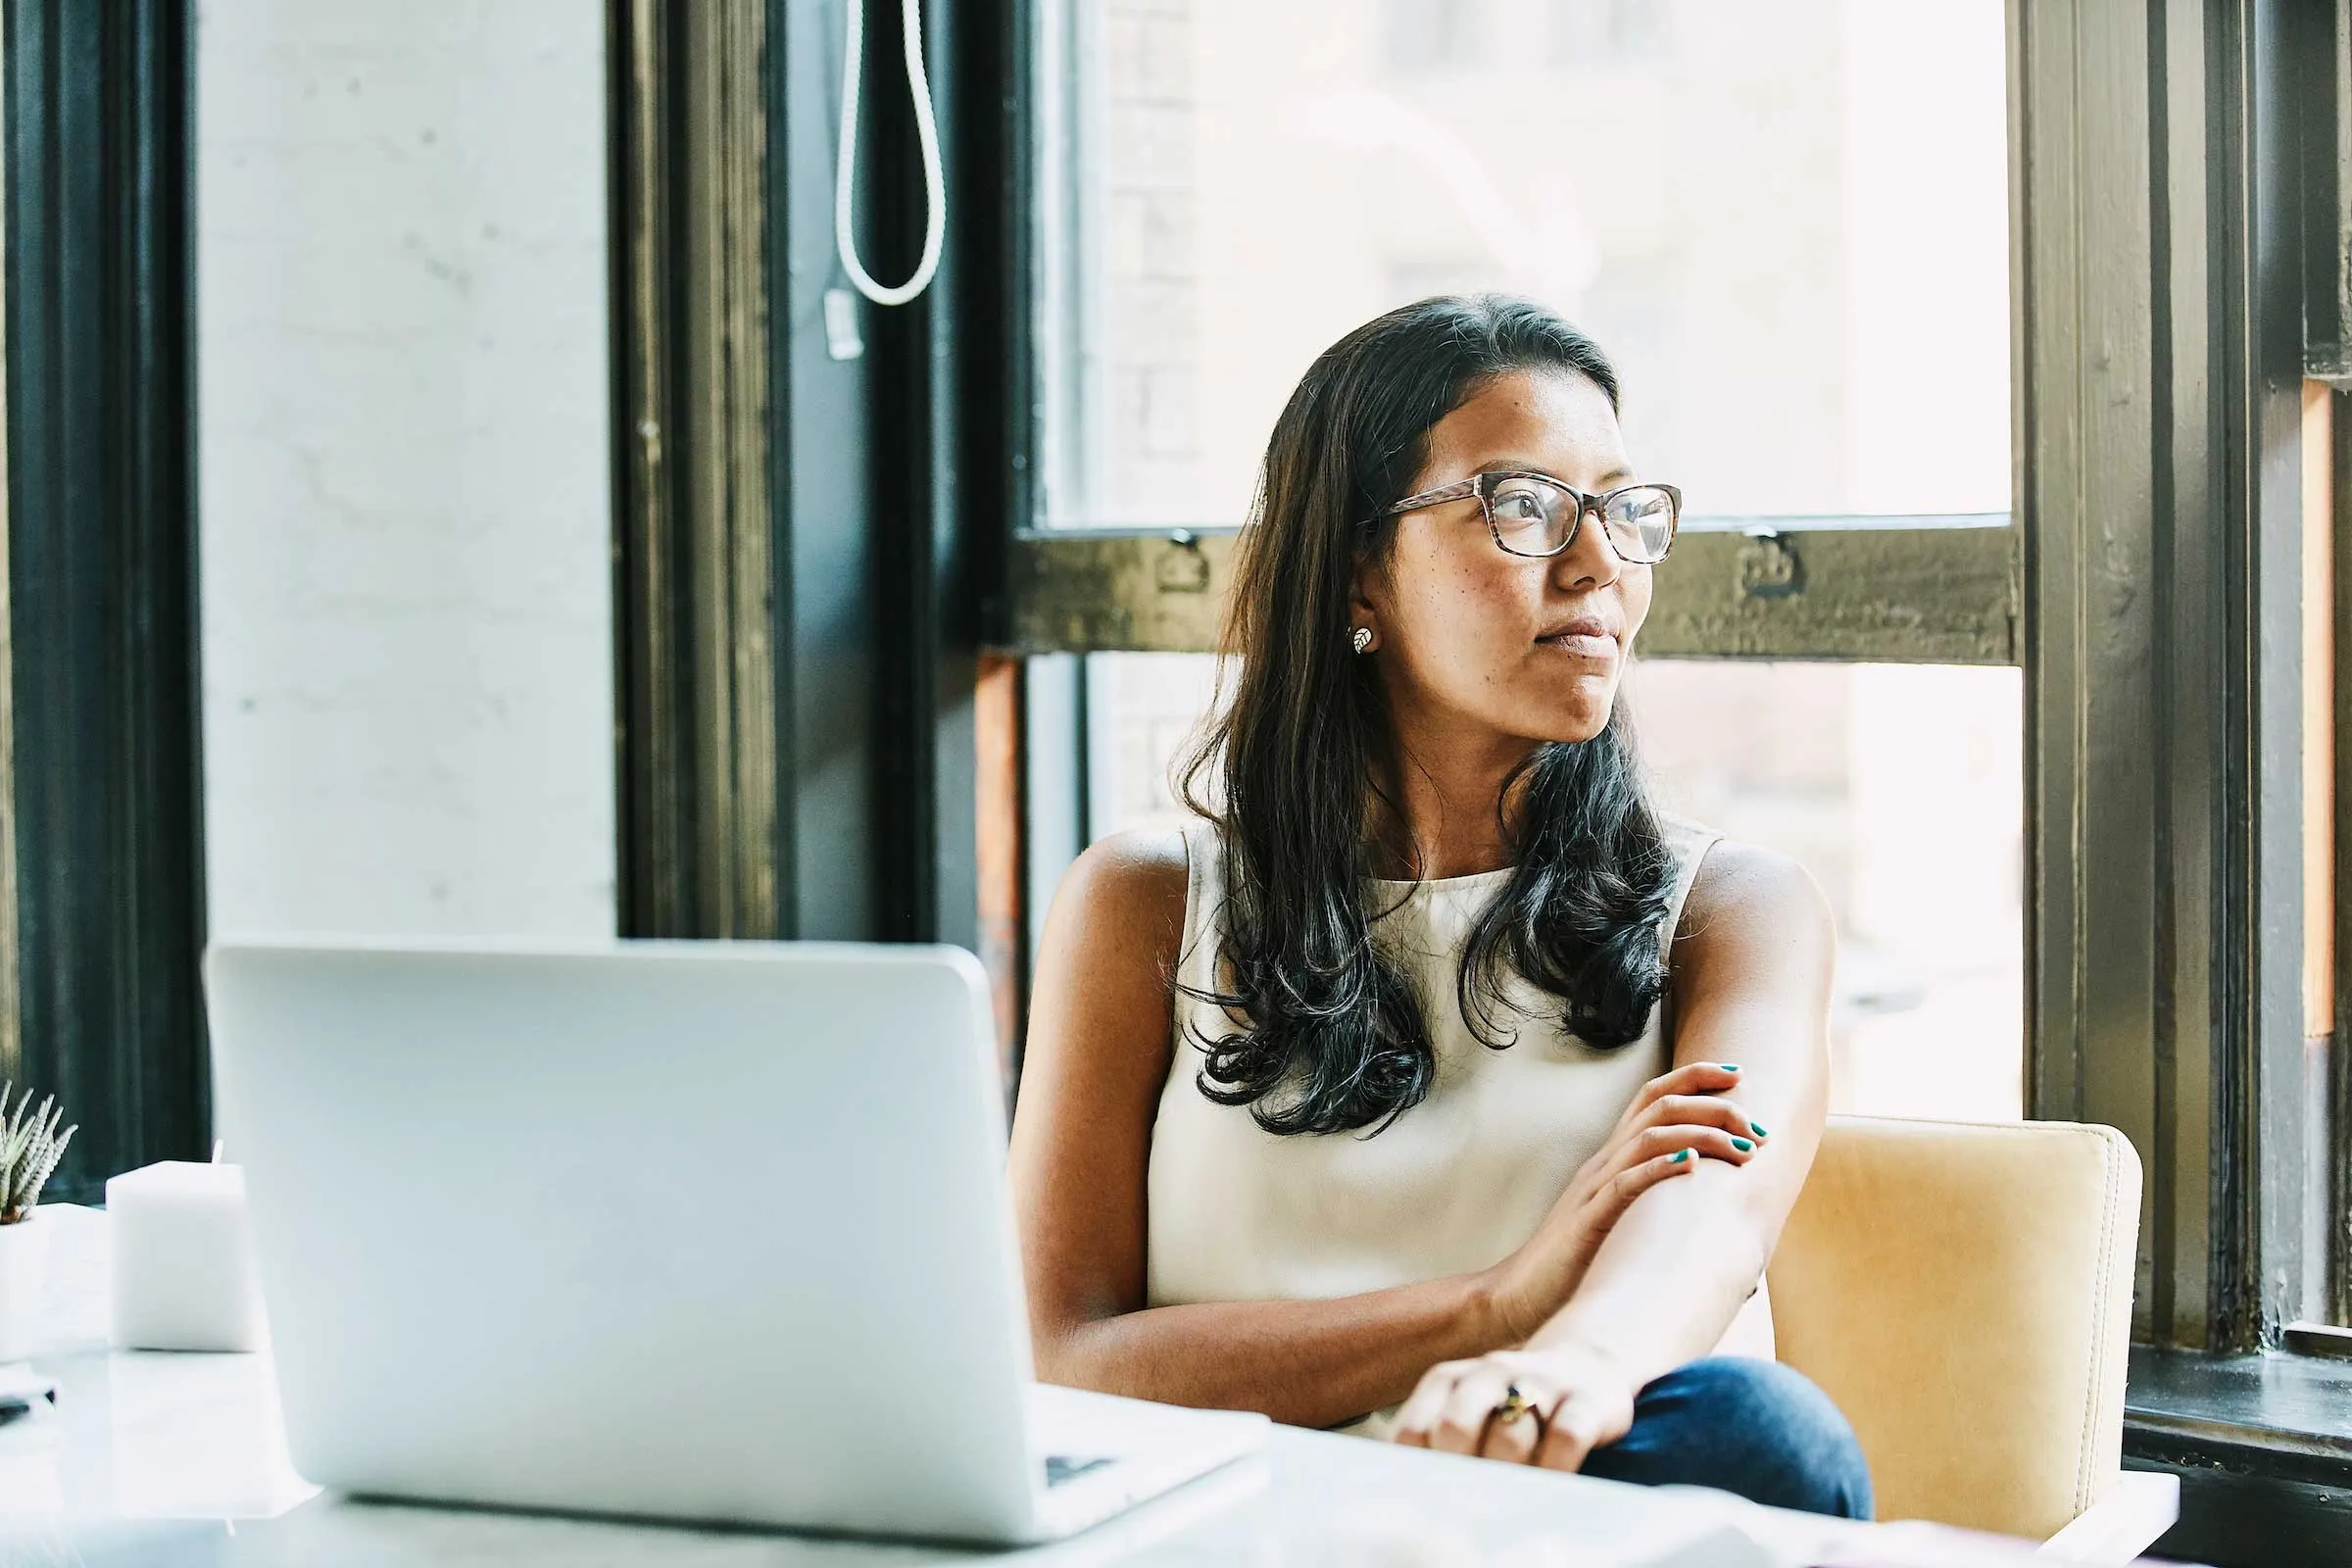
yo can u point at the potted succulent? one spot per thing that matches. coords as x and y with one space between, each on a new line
31 1146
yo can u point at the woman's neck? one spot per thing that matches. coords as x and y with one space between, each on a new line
1438 817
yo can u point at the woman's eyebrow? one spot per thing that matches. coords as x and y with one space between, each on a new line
1615 477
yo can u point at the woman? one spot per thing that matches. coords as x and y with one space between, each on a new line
1423 1086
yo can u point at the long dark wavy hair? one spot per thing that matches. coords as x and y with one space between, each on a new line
1330 1034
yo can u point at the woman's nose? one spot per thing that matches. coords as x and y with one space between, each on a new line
1590 560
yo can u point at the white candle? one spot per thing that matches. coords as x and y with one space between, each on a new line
184 1259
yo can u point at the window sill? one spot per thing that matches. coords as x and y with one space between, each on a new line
2275 1414
2263 1445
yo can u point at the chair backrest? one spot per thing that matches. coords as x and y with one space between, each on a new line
1962 1291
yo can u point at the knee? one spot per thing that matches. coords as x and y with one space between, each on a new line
1763 1431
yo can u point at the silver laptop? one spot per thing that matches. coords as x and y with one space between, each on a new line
713 1232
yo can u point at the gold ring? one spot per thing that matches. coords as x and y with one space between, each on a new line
1514 1405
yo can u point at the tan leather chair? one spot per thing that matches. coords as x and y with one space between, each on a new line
1962 1291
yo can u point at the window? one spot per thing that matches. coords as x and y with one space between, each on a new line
1433 35
1897 787
1787 225
1772 221
1587 32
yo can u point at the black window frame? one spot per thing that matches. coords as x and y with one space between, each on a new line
101 812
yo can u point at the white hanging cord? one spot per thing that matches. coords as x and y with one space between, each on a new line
926 131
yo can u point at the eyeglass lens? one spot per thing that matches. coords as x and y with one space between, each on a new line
1534 518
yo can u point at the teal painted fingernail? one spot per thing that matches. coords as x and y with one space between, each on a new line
1756 1127
1727 1067
1679 1157
1741 1144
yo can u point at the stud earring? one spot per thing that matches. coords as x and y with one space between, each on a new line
1363 638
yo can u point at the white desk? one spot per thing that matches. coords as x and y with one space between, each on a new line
158 1458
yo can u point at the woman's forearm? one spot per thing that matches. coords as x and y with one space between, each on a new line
1312 1363
1669 1279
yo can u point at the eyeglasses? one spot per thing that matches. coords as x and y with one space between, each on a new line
1533 515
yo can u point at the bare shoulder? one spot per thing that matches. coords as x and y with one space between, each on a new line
1129 884
1757 938
1098 1003
1745 893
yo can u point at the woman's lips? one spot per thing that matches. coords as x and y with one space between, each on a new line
1585 645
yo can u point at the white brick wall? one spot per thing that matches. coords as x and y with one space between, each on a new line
403 467
1152 285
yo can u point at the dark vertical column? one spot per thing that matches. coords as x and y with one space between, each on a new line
2084 244
103 796
703 756
2157 282
945 444
986 411
911 365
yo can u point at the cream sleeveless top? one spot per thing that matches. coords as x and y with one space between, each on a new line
1452 1186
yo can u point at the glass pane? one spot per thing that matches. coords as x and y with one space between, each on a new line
1140 709
1900 787
1787 223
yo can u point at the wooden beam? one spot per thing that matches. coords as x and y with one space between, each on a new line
1920 595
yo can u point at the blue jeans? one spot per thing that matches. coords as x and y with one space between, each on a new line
1751 1426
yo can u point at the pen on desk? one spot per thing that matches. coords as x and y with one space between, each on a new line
16 1403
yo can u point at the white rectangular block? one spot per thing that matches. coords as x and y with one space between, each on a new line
183 1276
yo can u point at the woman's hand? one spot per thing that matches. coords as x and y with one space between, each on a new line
1677 1119
1573 1399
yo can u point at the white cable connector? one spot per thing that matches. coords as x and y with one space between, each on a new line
926 130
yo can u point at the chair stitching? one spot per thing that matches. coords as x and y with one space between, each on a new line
2099 1320
2111 1207
2098 1303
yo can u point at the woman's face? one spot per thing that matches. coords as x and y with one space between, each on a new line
1472 642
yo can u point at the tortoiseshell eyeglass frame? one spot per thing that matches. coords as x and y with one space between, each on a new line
1482 486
